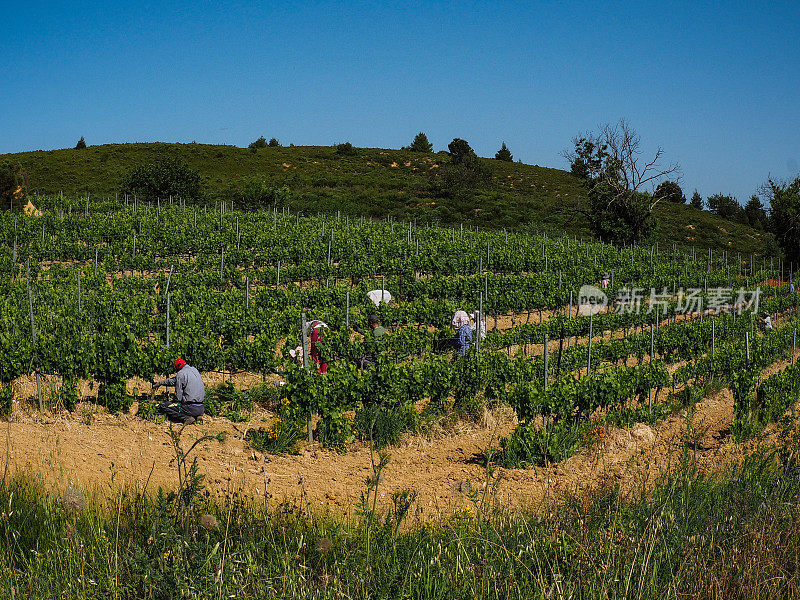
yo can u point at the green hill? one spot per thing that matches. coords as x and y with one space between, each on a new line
376 183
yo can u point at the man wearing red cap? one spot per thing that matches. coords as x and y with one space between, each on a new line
189 394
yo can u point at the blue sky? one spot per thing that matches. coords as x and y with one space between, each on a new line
716 85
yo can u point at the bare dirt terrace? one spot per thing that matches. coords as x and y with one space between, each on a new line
92 449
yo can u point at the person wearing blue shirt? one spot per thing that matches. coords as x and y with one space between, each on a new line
463 332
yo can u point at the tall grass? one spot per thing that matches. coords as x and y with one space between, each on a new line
735 534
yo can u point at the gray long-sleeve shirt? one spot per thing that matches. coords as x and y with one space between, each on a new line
189 388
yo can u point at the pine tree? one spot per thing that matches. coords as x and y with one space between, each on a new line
81 144
504 154
421 144
696 201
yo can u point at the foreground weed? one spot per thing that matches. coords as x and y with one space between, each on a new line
729 535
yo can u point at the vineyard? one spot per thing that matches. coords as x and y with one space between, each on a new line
111 290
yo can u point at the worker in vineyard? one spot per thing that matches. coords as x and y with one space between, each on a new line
376 329
767 322
371 343
190 393
463 331
317 350
480 326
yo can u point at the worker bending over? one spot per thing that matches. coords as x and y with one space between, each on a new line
189 394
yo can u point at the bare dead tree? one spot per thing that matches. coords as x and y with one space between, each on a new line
625 170
617 173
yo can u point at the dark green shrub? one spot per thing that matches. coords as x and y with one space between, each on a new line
385 425
163 179
114 396
669 191
690 395
81 144
334 430
265 394
274 143
622 218
460 151
776 394
284 432
467 381
257 191
224 400
745 423
724 206
528 445
12 185
346 149
6 399
784 201
459 180
236 416
148 410
261 142
69 393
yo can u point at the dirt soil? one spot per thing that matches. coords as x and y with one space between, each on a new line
92 449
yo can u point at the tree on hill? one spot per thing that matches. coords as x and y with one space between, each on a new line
504 154
696 201
462 175
461 152
12 185
724 206
346 149
784 218
586 160
261 142
81 144
274 143
163 179
669 191
754 214
611 166
421 143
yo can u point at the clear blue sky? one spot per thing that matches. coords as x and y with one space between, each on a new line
716 85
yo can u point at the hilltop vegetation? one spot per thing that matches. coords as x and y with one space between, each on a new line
402 184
